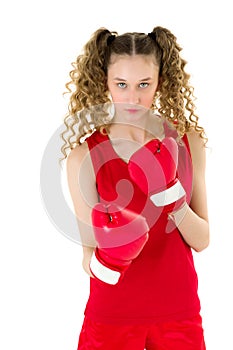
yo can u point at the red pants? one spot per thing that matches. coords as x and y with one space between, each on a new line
182 335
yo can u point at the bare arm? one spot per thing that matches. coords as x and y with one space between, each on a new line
192 220
82 187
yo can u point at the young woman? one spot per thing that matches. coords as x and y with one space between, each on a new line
136 174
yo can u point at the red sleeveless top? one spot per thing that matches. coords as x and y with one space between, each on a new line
161 283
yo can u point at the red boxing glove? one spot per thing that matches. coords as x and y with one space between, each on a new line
154 169
121 235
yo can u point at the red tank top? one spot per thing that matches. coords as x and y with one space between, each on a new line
161 283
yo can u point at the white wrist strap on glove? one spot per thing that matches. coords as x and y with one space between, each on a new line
102 272
168 196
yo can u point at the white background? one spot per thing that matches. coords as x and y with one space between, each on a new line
43 288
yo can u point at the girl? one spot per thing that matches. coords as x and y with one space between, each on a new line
136 174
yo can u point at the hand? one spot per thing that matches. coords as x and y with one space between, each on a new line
121 235
154 169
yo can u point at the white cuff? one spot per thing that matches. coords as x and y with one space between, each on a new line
102 272
168 196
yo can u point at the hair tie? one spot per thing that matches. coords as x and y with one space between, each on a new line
110 39
152 35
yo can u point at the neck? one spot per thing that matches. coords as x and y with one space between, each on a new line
142 132
129 132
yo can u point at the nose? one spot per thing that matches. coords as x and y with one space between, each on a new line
133 97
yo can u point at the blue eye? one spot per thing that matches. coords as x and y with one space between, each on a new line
122 85
143 85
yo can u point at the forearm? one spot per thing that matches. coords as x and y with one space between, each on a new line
87 254
193 228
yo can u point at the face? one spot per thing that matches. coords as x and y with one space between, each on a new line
132 82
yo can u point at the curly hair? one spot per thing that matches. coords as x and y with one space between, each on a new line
174 99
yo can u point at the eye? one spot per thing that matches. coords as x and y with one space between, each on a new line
143 85
122 85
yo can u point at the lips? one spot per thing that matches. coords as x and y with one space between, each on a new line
132 110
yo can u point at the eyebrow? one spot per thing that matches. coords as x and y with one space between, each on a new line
121 79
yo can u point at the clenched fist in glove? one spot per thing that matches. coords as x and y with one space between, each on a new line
154 169
120 235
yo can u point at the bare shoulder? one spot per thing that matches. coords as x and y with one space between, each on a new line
79 167
77 154
79 160
82 187
197 148
195 140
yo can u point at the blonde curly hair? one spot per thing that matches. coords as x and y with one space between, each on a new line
174 99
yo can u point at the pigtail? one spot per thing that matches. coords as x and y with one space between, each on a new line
98 49
88 90
173 79
91 67
176 95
